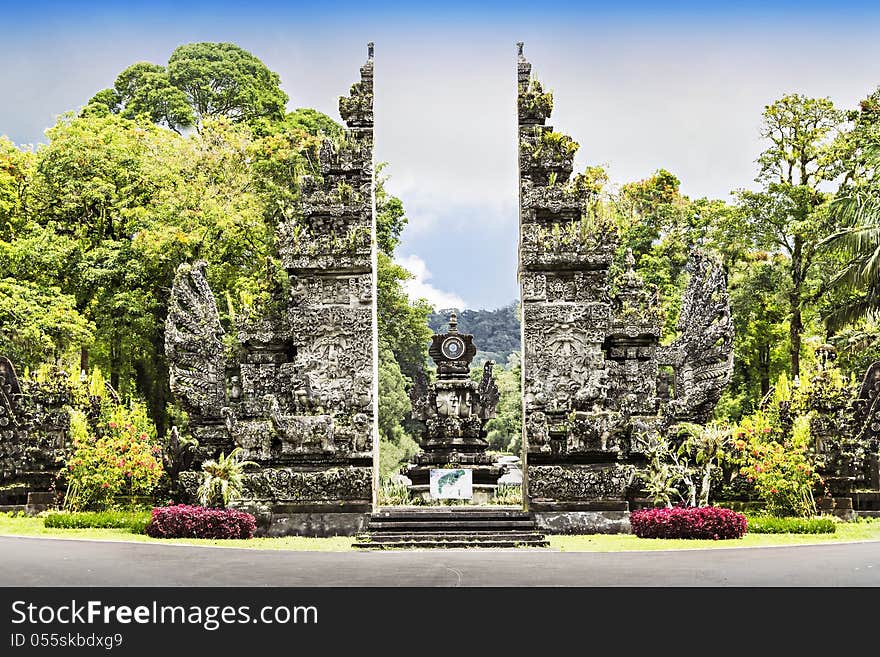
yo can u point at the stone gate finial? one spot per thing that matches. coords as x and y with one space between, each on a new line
519 49
370 47
453 322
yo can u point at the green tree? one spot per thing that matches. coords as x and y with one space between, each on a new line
856 209
313 122
396 446
145 88
15 172
504 431
201 80
39 325
403 324
759 311
224 79
789 214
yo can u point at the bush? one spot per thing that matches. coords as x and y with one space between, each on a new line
184 521
134 521
688 522
774 525
781 472
118 457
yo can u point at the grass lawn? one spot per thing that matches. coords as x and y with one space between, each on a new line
863 530
855 531
31 526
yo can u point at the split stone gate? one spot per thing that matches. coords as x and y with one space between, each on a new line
299 395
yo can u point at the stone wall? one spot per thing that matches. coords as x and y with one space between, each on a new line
34 428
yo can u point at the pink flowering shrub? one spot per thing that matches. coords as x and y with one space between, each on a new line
184 521
688 522
116 455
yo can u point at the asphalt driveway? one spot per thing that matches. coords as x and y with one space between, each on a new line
64 562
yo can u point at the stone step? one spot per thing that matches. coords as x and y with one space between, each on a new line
425 541
468 525
429 514
385 537
415 527
448 545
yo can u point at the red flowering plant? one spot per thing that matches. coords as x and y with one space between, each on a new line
117 455
184 521
706 522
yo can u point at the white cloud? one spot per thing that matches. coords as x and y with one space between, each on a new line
419 288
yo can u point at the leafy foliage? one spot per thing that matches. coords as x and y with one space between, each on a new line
774 451
681 468
222 479
774 525
201 81
119 457
133 521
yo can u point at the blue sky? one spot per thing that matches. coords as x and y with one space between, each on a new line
639 85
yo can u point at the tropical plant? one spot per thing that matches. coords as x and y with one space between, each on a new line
684 467
507 494
393 492
857 211
222 479
780 470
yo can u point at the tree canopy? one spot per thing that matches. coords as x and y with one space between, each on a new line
201 81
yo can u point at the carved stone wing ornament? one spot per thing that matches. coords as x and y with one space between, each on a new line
194 344
702 355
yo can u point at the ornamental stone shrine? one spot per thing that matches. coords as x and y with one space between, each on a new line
454 411
592 359
297 392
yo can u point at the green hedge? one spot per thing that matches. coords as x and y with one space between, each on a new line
773 525
134 521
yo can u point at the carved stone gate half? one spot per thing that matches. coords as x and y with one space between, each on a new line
297 393
597 385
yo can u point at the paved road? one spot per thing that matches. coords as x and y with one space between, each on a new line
63 562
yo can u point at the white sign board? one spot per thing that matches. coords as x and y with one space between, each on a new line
448 484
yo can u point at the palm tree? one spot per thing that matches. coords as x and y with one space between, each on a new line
857 211
222 481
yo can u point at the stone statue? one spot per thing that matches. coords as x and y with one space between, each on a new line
702 355
9 384
194 343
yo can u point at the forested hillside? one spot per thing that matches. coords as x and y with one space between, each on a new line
496 332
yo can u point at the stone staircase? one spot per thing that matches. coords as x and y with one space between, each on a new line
451 527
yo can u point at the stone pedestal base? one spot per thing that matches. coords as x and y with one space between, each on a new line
582 522
319 525
483 494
